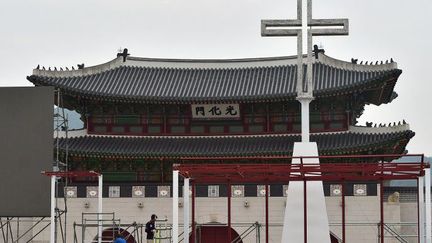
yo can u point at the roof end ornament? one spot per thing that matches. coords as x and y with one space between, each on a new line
124 54
317 50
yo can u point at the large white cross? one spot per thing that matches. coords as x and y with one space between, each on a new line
289 27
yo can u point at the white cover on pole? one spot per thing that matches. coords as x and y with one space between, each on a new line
100 190
175 223
186 215
421 209
428 207
317 220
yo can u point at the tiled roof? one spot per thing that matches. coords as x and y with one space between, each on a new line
146 80
212 146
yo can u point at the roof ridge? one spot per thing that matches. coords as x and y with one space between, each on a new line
352 129
114 63
265 146
236 63
395 128
337 63
211 60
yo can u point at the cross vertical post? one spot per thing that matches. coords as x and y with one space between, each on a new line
315 219
302 27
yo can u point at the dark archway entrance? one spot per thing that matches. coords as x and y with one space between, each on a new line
108 235
215 234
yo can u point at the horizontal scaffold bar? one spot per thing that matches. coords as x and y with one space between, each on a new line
278 173
71 173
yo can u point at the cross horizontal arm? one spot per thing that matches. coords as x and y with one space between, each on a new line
344 23
270 27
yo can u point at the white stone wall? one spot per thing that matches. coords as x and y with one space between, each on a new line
409 215
362 214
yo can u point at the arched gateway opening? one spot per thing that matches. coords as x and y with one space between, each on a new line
218 234
215 234
109 233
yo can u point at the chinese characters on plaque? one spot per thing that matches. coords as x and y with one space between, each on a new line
214 111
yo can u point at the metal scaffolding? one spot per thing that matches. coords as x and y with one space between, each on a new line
341 170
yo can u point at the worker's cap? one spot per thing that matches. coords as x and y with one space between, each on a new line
153 216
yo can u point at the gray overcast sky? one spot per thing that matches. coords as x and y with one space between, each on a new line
65 33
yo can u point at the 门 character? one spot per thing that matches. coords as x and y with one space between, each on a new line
199 111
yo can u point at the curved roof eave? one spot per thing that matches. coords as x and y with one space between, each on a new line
266 78
361 140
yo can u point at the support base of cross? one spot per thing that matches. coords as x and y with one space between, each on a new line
312 221
305 99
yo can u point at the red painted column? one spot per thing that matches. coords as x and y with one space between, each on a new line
193 213
418 213
382 211
267 212
229 212
343 212
305 211
268 119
